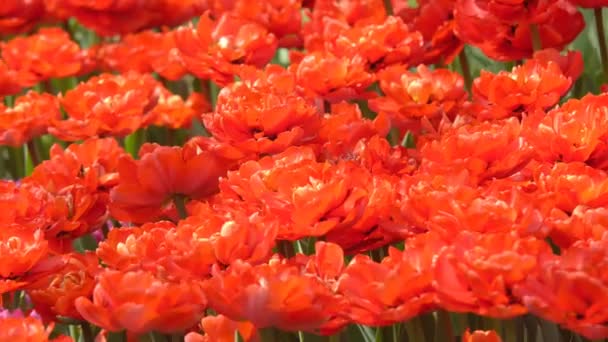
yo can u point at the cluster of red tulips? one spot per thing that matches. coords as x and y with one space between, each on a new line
295 170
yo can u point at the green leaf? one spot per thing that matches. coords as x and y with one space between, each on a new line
134 141
85 243
408 140
281 57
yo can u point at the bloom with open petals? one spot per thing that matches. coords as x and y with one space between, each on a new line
50 54
573 132
222 329
214 49
27 329
538 84
571 289
20 16
28 118
477 272
147 184
55 283
393 290
108 105
141 302
421 94
492 149
275 294
263 113
481 336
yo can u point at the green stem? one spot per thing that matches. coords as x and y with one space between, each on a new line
601 36
415 330
154 337
7 300
549 330
120 336
180 205
28 165
396 333
214 91
19 298
171 137
174 337
466 69
87 332
379 253
34 152
272 335
106 230
334 338
4 169
16 162
531 325
393 136
286 248
427 323
444 327
74 332
388 7
385 334
537 43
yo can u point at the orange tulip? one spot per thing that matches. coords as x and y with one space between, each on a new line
345 126
215 48
162 172
538 84
282 18
53 284
144 52
485 150
263 113
584 223
435 21
21 248
183 252
28 118
20 16
109 18
567 185
11 81
222 329
24 204
411 96
27 329
478 271
140 302
344 202
573 132
114 105
481 336
51 54
571 289
275 294
393 290
76 182
330 77
502 29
